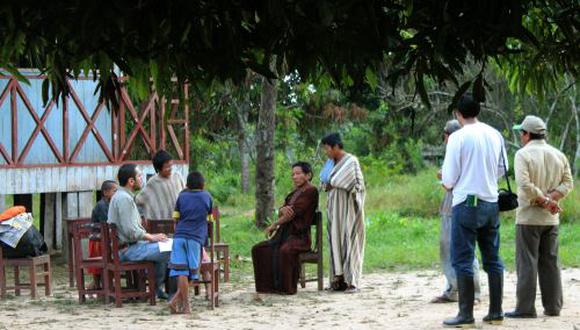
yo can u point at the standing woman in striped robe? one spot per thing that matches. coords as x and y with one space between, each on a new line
345 209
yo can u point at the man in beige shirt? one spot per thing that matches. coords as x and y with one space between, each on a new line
543 177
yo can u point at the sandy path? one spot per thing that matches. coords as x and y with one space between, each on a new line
387 301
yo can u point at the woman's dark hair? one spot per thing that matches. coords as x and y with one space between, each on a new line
534 136
332 140
126 172
195 180
306 168
468 107
160 158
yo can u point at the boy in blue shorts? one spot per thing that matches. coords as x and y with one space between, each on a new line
191 212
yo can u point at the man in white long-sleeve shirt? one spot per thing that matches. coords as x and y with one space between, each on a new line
474 161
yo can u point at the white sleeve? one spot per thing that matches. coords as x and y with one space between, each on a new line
503 165
452 163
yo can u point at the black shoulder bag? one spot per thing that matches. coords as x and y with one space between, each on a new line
507 199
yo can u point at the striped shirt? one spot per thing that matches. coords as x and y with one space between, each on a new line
159 196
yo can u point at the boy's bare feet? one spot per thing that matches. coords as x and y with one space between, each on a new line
173 305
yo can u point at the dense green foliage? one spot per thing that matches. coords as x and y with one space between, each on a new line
347 40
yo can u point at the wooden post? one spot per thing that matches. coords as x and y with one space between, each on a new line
2 203
59 214
86 203
70 210
49 220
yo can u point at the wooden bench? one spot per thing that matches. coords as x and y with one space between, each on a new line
33 263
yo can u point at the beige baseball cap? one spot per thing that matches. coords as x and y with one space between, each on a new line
532 124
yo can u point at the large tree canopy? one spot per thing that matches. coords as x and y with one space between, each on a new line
346 39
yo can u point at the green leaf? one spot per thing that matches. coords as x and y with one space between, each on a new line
420 83
45 90
16 74
371 78
478 89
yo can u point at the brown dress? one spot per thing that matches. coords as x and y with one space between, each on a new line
276 268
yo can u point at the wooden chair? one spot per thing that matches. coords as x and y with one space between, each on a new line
213 268
71 225
314 256
144 287
165 226
33 263
91 231
222 249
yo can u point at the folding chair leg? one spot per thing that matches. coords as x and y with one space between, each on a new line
33 281
212 293
151 279
16 280
106 283
320 276
81 286
302 276
117 284
216 288
227 265
47 279
2 281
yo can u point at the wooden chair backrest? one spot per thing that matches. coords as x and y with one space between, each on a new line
111 251
74 224
215 213
211 240
317 221
164 226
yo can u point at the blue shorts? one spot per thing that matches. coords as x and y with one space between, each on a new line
185 258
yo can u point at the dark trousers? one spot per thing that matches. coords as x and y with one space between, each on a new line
475 224
537 258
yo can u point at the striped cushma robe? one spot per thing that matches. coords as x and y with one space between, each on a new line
346 232
159 196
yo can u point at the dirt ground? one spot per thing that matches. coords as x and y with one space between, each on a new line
387 301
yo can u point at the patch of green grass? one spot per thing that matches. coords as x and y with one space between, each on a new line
402 227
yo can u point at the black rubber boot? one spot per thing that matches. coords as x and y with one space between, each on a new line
464 318
495 315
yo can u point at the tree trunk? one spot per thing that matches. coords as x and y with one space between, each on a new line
242 116
265 153
576 159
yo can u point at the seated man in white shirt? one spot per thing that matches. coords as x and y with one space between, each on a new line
474 161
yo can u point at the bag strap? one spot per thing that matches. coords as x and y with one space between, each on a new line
505 170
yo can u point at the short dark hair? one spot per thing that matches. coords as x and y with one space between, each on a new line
160 158
534 136
126 172
306 167
332 140
108 185
195 180
467 106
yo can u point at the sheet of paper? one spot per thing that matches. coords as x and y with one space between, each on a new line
166 246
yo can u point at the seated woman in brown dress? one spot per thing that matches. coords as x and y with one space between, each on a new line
276 267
